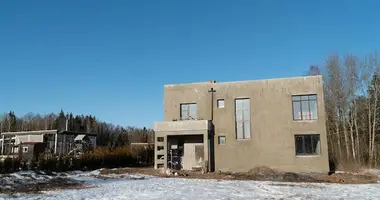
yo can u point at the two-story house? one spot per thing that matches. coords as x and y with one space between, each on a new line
236 126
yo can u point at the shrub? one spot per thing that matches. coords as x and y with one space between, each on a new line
10 165
101 157
111 158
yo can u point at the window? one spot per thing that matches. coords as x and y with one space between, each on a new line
221 140
188 111
305 107
220 103
308 144
242 118
160 139
25 149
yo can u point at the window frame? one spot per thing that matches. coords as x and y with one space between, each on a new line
313 136
300 100
219 137
218 103
189 117
245 136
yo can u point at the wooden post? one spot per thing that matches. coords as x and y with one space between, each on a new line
212 102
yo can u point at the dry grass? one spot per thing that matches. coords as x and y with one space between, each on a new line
348 178
262 170
260 174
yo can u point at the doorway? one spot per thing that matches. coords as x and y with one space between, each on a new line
185 152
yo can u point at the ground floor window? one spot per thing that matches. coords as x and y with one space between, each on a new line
308 144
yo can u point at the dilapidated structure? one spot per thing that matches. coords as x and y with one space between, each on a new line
54 142
236 126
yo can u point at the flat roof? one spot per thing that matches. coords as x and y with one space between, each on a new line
40 132
48 132
245 81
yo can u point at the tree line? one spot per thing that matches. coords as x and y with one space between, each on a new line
352 105
108 134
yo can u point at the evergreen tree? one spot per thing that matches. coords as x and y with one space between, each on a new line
107 134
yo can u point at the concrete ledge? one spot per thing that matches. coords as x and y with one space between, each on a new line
160 161
185 125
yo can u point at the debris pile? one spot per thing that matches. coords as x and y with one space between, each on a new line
169 172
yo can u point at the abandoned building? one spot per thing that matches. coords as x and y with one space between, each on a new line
29 144
237 126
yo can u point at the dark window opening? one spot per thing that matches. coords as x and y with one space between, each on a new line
308 144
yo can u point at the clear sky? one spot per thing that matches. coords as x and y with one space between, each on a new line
112 58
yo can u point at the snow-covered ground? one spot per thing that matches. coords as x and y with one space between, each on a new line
132 187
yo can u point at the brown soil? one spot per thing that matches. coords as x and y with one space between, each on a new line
258 174
53 184
348 178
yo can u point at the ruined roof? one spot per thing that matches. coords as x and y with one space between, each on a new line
77 133
79 137
32 143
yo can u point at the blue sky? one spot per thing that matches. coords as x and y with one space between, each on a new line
112 58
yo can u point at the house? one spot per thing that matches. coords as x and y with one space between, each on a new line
237 126
55 142
31 150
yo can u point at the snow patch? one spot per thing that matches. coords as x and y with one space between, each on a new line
138 186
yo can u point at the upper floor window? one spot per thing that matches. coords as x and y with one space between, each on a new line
243 118
221 140
305 107
188 111
220 103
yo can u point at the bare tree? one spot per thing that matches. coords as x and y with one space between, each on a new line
351 79
334 90
373 84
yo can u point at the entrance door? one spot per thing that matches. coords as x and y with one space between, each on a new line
193 155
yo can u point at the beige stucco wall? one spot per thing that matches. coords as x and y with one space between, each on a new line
272 127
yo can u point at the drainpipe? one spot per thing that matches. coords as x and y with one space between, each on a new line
212 103
55 142
212 121
2 145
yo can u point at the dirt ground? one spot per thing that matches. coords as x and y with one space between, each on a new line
259 174
55 183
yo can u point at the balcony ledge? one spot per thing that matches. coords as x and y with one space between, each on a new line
185 125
